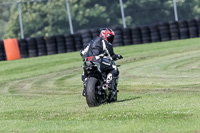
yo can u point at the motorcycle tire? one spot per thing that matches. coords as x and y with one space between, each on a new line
91 97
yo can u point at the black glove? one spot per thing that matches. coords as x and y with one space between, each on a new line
117 57
120 56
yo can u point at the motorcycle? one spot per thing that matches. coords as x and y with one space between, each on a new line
97 91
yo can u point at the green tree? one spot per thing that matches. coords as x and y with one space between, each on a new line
95 14
147 12
188 9
50 18
4 17
39 19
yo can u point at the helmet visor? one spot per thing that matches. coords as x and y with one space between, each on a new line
110 38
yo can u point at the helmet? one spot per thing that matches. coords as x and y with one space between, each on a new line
107 34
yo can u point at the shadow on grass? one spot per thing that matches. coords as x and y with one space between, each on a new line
129 99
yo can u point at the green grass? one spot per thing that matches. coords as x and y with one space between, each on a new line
159 92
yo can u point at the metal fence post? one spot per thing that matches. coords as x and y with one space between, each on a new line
122 12
69 17
175 10
20 20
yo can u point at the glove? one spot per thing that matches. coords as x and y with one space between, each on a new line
120 56
117 57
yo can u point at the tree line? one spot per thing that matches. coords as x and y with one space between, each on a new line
47 18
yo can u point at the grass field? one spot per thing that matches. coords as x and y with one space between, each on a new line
159 92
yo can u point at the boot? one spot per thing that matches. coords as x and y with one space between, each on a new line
84 92
109 80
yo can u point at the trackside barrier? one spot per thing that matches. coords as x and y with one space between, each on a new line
12 49
40 46
2 51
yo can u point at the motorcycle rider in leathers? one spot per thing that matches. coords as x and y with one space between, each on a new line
100 50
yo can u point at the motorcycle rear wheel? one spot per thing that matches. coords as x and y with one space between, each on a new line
91 96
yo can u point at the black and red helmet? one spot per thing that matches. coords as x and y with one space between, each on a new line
107 34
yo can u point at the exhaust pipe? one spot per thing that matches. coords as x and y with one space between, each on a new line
105 87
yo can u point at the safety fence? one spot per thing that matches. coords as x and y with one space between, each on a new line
41 46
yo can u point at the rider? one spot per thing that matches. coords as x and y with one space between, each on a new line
100 50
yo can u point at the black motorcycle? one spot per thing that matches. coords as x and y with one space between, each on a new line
97 91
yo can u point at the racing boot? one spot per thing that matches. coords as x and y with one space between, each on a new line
109 80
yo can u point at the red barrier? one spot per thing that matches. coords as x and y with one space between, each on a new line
12 49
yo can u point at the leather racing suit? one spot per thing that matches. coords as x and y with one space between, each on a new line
100 51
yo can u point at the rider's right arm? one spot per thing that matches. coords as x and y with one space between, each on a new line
117 57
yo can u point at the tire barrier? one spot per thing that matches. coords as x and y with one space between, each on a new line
2 51
198 24
78 42
118 40
136 36
164 31
60 43
146 34
10 49
41 45
155 36
193 28
32 47
86 36
127 36
51 45
70 43
23 48
95 32
183 28
174 30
